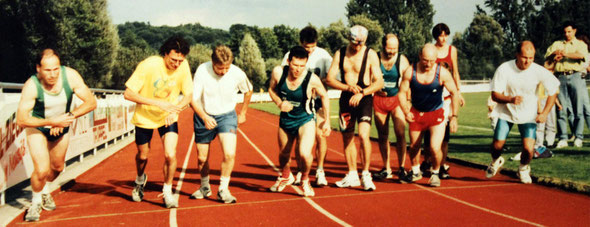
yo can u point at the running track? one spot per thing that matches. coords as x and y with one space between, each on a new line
101 196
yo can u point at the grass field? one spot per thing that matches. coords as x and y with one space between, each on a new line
569 167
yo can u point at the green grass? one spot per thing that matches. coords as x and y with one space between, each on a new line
568 168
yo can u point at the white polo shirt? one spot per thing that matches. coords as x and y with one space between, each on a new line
511 81
218 94
318 62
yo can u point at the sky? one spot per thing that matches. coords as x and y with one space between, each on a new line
457 14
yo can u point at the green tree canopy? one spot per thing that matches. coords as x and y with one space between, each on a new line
198 55
375 30
334 36
250 60
286 36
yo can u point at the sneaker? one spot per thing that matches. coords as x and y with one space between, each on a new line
307 189
524 174
401 173
383 174
434 180
48 203
226 197
578 142
282 183
320 177
297 179
516 157
443 173
367 182
411 177
137 193
34 212
204 191
169 200
425 168
561 144
546 154
349 181
494 167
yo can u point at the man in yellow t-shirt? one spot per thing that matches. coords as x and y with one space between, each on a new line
155 86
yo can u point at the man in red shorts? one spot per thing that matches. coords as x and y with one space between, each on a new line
425 82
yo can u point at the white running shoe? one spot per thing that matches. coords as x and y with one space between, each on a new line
494 167
561 144
226 197
169 200
281 183
578 142
48 203
298 178
307 189
34 212
434 180
204 191
349 181
524 173
367 182
137 193
320 177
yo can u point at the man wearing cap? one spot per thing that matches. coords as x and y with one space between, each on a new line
361 77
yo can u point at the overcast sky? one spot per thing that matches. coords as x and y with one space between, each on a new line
265 13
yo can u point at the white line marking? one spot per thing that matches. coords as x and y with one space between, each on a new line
308 200
172 219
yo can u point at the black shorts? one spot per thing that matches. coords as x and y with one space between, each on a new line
350 115
51 138
144 135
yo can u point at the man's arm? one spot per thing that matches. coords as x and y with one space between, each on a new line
272 90
376 79
404 89
82 91
449 84
331 79
501 98
318 88
25 106
137 98
244 110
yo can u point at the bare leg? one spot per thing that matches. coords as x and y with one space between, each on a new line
364 133
382 124
305 141
170 141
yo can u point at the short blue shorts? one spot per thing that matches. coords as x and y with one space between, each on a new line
51 138
144 135
226 123
527 130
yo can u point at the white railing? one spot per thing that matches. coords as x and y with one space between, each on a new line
107 124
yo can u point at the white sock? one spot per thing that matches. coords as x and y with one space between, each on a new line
434 171
205 181
140 179
46 189
37 198
353 173
167 188
366 172
223 183
416 169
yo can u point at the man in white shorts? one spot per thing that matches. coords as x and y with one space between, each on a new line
216 84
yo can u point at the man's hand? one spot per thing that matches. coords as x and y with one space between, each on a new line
355 99
285 106
62 121
354 89
210 122
171 108
516 100
453 125
409 116
461 100
170 119
325 126
241 118
541 118
56 131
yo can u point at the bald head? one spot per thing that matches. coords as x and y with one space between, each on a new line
427 57
390 45
525 56
525 46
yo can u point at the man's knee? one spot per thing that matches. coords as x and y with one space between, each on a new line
229 156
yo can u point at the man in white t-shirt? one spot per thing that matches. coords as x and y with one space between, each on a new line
216 84
514 89
318 63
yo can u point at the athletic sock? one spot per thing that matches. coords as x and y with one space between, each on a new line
434 171
416 169
37 198
353 173
46 189
140 179
205 181
167 188
223 183
366 172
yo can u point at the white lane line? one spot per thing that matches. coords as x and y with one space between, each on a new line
172 219
308 200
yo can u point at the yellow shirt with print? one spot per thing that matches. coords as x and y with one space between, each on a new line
152 79
567 64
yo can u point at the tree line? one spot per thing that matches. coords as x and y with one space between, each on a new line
106 54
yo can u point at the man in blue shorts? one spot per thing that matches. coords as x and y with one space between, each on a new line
426 81
216 85
293 89
361 77
45 112
514 89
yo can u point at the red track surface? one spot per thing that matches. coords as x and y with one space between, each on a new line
101 196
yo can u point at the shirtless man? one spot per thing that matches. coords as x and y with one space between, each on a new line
425 81
359 67
45 111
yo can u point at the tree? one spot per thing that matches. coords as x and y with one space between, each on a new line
198 55
250 60
411 20
125 63
268 43
287 37
481 48
375 30
333 37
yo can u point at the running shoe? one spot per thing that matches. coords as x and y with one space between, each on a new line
425 167
320 177
383 174
226 197
48 203
204 191
411 177
169 200
367 182
444 173
137 193
34 212
494 167
401 174
281 183
578 142
350 180
297 179
524 173
561 144
434 180
307 189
